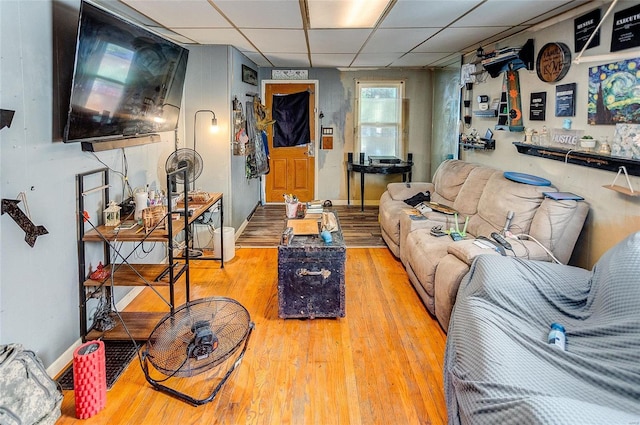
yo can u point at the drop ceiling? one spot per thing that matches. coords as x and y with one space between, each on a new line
324 33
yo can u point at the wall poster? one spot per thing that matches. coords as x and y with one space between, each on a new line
566 100
626 29
538 106
584 26
613 94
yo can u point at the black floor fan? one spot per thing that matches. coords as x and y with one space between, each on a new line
198 336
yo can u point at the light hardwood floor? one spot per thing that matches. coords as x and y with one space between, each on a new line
381 364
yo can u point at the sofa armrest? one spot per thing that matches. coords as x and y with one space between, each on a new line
401 191
467 251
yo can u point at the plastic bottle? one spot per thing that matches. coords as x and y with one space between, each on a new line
544 136
557 336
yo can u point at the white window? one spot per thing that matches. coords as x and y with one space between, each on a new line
379 118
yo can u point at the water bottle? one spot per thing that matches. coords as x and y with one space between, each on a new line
557 336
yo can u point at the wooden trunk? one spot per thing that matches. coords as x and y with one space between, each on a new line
311 278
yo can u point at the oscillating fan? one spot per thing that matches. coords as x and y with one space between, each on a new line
196 337
185 157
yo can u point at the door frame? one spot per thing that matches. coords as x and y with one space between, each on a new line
316 131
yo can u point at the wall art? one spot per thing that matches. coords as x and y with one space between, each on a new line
538 106
626 29
566 100
249 76
614 95
584 26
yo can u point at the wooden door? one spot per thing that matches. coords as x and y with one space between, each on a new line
292 169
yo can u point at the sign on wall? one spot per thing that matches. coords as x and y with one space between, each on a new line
626 29
538 106
566 100
584 26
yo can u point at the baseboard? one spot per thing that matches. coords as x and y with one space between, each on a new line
66 358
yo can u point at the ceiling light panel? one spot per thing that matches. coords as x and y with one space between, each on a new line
397 40
426 13
345 13
262 14
180 13
337 41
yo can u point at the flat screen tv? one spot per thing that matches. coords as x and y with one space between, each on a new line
127 81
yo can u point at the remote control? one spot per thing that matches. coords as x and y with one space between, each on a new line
501 240
456 236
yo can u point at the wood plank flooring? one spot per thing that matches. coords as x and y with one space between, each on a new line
360 229
381 364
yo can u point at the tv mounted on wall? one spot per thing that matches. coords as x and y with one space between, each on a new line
127 81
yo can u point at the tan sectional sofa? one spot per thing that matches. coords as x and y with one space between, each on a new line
548 228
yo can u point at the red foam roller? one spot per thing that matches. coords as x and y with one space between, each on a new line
89 379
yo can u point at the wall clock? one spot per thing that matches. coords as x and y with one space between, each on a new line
553 63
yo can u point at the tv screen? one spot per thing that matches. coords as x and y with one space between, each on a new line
127 81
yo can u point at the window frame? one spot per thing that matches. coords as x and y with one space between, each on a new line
399 124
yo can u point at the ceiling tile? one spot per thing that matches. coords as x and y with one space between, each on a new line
419 59
506 12
278 40
216 36
457 39
426 13
337 41
332 60
257 58
375 59
167 33
288 59
397 40
262 14
181 13
345 13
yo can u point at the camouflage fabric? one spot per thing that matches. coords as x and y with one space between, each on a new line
27 394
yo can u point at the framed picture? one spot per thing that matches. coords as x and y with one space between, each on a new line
538 106
566 100
611 93
249 76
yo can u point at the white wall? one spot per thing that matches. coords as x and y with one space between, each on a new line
39 285
612 215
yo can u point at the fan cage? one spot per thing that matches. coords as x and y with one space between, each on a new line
168 345
190 158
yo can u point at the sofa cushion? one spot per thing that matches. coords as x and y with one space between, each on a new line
500 196
555 223
448 180
466 202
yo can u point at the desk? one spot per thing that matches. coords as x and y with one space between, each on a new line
371 167
124 272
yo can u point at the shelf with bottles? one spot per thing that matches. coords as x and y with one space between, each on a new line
575 155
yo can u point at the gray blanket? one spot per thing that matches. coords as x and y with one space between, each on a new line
499 368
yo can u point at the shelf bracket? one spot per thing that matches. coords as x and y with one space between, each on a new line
630 191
